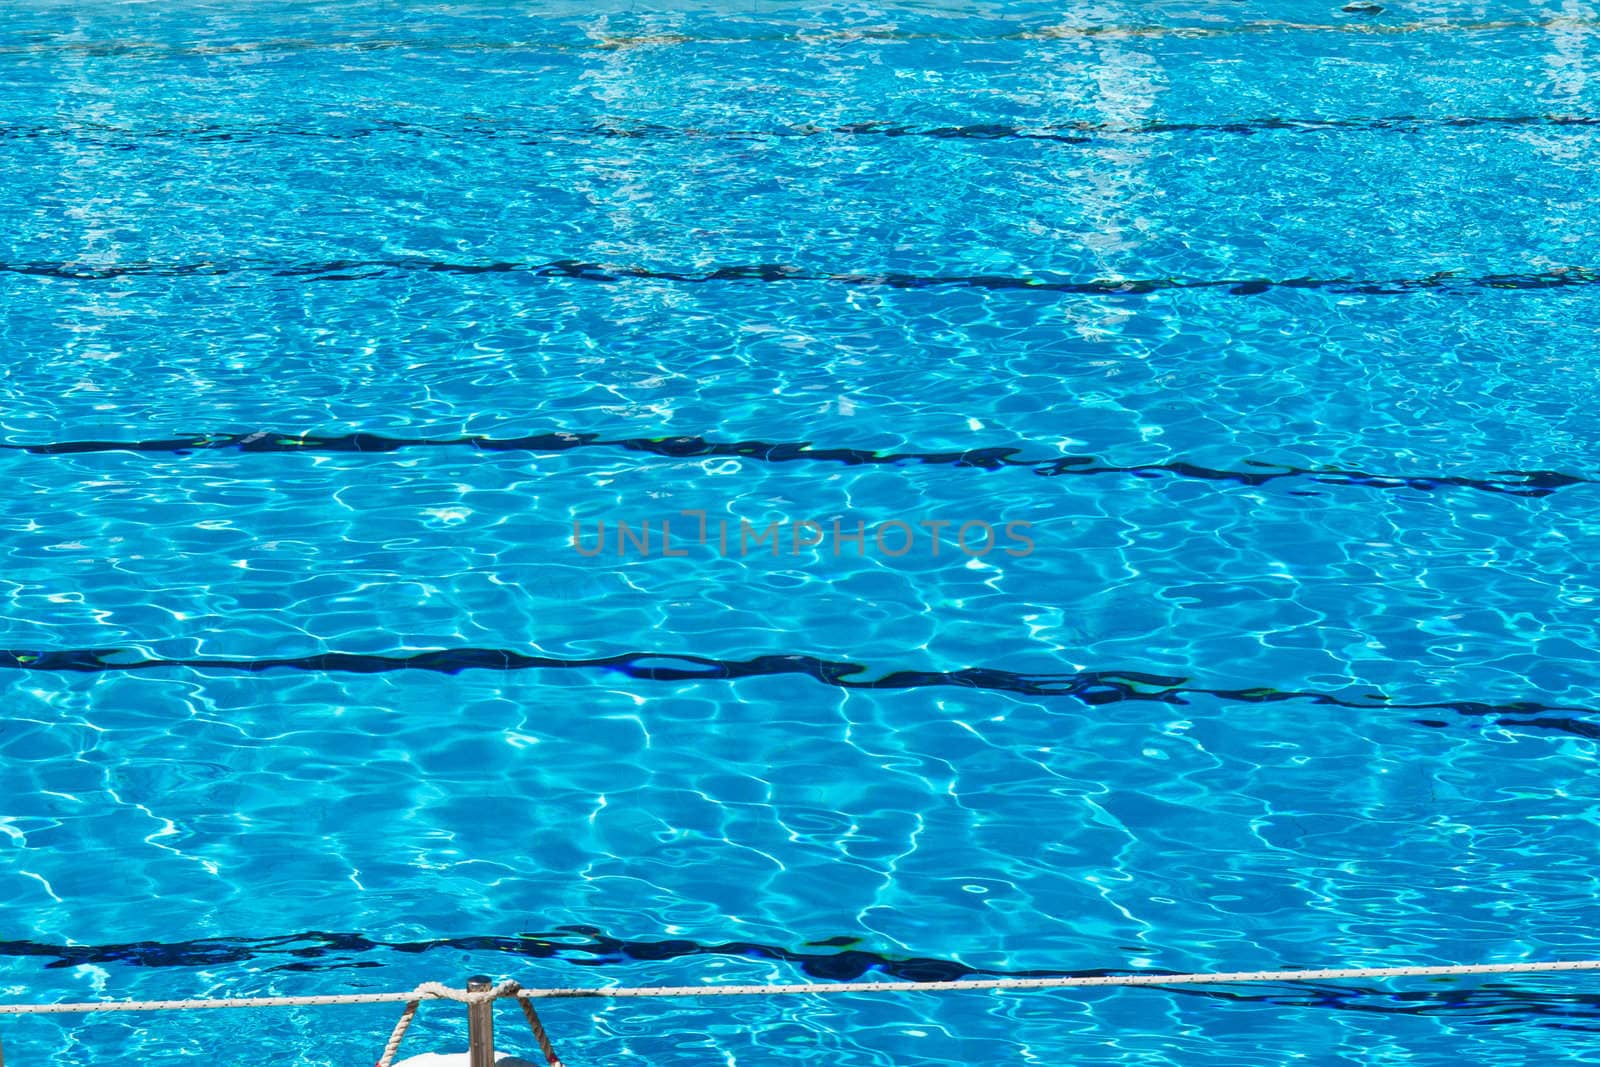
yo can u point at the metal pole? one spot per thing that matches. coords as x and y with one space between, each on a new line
480 1024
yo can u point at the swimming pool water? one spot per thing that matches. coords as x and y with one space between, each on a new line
1273 323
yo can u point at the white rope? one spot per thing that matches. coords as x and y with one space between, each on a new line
187 1005
397 1035
1068 983
537 1024
436 991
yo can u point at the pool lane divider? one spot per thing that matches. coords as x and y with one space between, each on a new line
1094 688
1517 483
480 994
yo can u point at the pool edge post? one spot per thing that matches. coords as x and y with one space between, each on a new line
480 1024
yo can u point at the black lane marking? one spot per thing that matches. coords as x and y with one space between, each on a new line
1441 282
1073 133
1509 482
1496 1004
1093 688
1518 483
1038 34
585 946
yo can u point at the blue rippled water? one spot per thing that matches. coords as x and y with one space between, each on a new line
1259 335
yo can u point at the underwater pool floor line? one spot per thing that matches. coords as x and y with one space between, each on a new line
1518 483
1362 26
1442 282
1093 688
1439 282
593 949
1083 132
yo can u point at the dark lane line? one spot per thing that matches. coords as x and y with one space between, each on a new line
346 270
579 945
489 129
1092 688
586 946
1518 483
1361 24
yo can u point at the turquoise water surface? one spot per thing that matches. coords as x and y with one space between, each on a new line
1258 336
